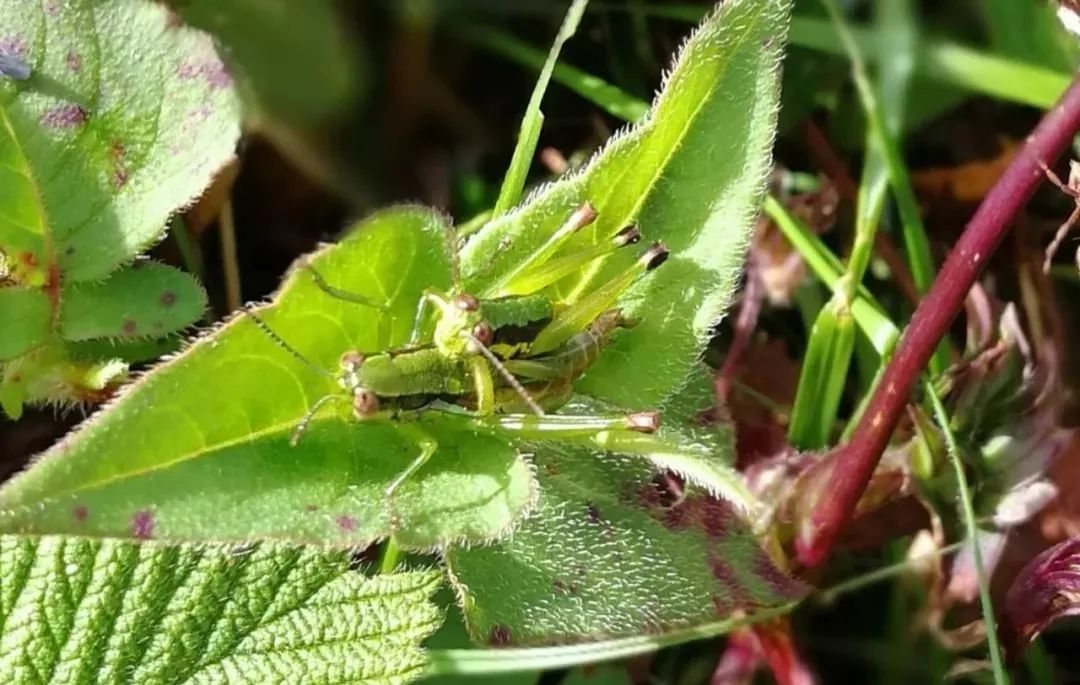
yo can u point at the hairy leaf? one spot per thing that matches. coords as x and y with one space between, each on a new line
199 448
617 547
27 316
79 611
147 299
112 139
691 175
611 551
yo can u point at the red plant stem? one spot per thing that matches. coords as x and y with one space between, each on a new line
852 464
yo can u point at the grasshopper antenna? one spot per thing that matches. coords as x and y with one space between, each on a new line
507 376
333 291
286 346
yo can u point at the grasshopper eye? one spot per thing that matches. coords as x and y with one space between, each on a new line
466 303
483 333
351 360
365 403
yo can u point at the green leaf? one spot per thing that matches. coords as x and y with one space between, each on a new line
27 316
692 176
295 62
82 611
147 299
611 550
22 218
117 130
199 448
609 553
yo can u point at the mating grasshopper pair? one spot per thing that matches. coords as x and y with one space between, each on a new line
501 358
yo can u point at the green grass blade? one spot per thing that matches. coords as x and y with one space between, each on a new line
883 147
972 531
533 121
823 376
612 99
939 59
881 331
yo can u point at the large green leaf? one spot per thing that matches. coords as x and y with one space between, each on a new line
124 119
83 611
691 175
613 550
199 448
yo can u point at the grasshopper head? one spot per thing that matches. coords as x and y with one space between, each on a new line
365 403
461 326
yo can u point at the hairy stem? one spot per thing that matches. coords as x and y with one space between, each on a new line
852 464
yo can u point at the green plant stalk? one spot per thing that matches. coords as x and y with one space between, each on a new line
881 331
853 464
968 511
883 147
823 375
514 182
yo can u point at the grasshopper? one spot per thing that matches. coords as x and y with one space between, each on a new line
489 355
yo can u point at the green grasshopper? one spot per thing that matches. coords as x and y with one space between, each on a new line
481 360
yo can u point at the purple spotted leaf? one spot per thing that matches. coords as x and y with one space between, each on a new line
199 448
137 302
1047 589
124 119
120 118
617 548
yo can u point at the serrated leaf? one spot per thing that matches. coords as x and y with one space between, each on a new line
199 448
691 175
296 62
27 317
124 119
608 554
147 299
84 611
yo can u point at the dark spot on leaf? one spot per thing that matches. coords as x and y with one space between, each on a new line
580 570
346 523
117 150
727 577
80 513
216 75
167 299
142 524
119 177
13 46
69 250
722 606
766 42
64 116
74 60
187 71
52 7
662 492
311 507
500 635
551 469
779 582
129 327
594 514
564 587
